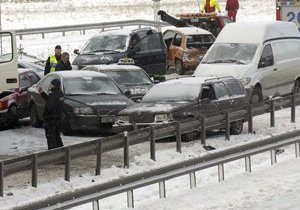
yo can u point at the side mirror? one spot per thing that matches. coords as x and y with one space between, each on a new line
156 81
127 93
201 57
205 101
76 51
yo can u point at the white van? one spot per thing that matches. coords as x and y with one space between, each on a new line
264 56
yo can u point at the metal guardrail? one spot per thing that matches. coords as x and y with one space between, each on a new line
150 134
84 27
189 167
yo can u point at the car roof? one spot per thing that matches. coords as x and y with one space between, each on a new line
191 30
113 67
194 80
77 73
24 70
124 31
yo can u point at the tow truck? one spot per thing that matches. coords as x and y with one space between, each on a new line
209 21
288 10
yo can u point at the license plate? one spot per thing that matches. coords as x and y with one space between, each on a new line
108 119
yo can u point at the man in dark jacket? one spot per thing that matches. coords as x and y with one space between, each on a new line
232 7
52 114
64 63
53 60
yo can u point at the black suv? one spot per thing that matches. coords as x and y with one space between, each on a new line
145 46
183 98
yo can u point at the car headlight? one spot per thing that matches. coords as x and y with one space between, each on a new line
122 119
163 118
245 81
83 111
185 57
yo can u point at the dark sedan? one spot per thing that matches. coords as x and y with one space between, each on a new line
92 100
132 79
184 98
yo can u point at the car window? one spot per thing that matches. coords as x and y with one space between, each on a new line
234 87
150 42
33 77
168 37
267 58
197 41
6 53
177 40
46 82
208 92
221 91
133 77
24 81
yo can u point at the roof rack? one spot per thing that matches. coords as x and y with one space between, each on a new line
218 78
197 15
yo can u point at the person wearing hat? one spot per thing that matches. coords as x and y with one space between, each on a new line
53 60
52 113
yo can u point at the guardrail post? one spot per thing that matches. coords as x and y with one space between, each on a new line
130 199
293 109
43 35
152 144
96 205
203 131
178 137
21 37
1 179
99 158
273 157
192 180
221 172
67 164
248 164
250 119
162 189
227 126
126 150
34 171
272 114
297 149
64 33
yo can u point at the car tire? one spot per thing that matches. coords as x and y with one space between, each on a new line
34 118
65 125
12 117
179 67
236 128
296 89
256 96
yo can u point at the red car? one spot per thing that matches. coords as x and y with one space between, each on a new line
14 103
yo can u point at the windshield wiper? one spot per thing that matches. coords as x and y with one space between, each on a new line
107 93
226 61
100 50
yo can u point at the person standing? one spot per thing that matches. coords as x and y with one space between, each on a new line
210 6
232 7
53 60
52 113
64 63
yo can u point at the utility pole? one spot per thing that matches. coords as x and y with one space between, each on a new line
156 8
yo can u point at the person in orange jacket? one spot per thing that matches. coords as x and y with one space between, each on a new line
210 6
232 7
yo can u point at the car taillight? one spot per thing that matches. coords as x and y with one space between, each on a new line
278 10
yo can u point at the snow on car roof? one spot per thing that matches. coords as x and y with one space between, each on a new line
190 30
111 67
124 31
76 73
187 80
256 32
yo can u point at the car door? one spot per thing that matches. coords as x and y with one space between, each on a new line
208 103
22 97
175 49
168 37
223 97
150 54
267 72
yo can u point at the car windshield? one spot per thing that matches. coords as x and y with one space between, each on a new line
131 77
231 53
197 41
172 93
90 85
107 43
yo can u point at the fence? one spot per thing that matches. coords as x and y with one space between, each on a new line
151 134
84 27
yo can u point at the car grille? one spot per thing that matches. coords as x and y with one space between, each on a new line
142 118
110 112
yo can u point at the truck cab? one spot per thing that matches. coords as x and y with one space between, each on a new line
8 61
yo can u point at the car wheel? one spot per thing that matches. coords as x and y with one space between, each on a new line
236 127
256 96
179 68
296 89
12 117
65 125
34 118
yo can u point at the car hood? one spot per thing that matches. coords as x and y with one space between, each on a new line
234 70
104 104
153 108
97 58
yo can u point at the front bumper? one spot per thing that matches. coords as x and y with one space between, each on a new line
133 126
3 116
